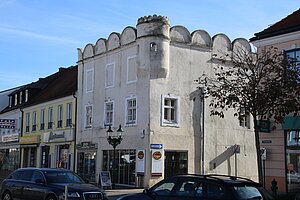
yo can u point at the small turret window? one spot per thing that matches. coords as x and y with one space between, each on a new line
153 46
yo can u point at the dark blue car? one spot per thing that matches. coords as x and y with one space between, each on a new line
47 184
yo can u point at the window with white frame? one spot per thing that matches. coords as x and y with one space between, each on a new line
170 110
131 69
16 99
34 121
69 115
244 118
88 116
50 118
26 95
42 120
59 116
89 80
131 114
21 97
109 75
109 113
27 122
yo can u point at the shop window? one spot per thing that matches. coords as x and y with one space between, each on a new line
86 166
170 110
293 138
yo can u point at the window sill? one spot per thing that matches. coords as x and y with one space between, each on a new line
170 125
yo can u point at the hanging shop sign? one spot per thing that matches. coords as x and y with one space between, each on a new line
157 163
140 162
10 138
29 139
8 123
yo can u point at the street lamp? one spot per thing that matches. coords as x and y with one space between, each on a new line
114 141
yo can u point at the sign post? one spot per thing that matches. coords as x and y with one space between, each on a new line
236 150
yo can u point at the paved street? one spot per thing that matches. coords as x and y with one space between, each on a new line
114 194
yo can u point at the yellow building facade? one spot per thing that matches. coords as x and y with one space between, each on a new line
48 134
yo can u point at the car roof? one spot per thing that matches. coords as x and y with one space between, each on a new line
221 178
43 169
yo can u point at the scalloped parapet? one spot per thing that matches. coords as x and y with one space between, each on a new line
159 27
153 18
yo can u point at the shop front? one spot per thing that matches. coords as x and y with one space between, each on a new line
86 161
29 150
9 154
126 162
57 150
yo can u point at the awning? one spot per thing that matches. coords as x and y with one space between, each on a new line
291 123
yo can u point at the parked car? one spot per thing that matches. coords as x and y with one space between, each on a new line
47 184
208 187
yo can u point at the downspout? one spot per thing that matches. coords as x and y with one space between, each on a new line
202 103
74 130
21 134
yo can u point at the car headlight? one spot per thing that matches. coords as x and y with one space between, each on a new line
72 194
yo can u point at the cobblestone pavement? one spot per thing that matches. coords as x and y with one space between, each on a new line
114 194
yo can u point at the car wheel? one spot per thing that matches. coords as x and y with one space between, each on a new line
51 197
7 196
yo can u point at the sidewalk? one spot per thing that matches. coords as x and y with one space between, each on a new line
114 194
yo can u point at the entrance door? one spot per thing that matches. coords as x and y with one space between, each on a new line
176 162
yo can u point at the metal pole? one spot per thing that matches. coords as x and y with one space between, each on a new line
66 192
235 156
114 167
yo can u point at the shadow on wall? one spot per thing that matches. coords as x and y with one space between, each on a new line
222 158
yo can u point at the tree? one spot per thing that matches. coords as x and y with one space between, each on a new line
264 84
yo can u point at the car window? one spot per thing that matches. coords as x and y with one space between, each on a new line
62 177
24 175
190 188
164 188
37 175
215 191
247 192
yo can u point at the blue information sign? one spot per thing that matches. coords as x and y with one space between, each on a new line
156 146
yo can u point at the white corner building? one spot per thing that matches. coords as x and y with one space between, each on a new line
144 80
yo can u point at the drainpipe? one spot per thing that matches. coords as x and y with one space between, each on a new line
20 135
74 131
202 104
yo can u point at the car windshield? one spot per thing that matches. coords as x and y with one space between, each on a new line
247 192
62 177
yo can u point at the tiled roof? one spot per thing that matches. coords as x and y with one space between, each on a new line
289 24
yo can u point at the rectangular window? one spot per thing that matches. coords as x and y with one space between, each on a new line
26 95
69 115
16 99
109 113
244 118
131 69
50 117
42 120
88 116
10 101
34 121
170 110
20 98
109 75
27 122
131 107
293 56
89 80
59 116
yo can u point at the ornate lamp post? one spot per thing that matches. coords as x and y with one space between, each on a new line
114 141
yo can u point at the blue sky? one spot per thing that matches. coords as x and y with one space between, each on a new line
39 36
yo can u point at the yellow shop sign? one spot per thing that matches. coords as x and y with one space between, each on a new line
29 139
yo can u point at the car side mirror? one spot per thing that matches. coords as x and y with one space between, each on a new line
40 181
